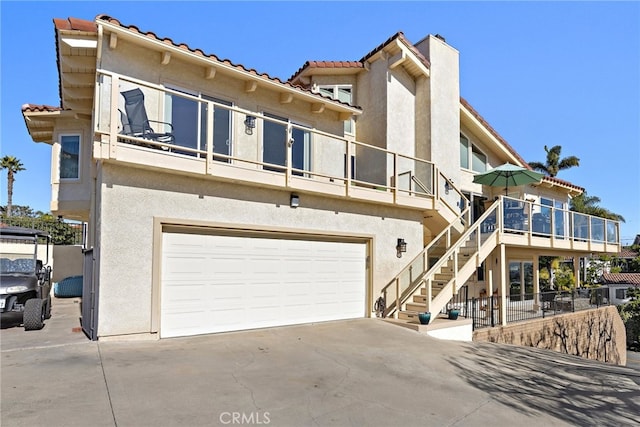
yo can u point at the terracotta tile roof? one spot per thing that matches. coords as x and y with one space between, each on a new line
628 253
326 64
562 182
397 36
621 278
33 108
360 64
227 62
75 24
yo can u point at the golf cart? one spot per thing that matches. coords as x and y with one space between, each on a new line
25 282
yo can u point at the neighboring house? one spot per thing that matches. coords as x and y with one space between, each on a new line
625 258
618 284
219 198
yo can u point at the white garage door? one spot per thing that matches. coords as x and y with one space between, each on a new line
229 283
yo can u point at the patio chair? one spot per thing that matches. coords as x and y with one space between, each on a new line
136 123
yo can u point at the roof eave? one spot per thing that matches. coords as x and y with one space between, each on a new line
230 69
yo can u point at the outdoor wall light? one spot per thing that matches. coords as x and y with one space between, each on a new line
249 124
401 247
294 202
447 187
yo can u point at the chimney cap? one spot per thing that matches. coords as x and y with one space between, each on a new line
438 36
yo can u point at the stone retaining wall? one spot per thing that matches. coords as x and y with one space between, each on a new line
593 334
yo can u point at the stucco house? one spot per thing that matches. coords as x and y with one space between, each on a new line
219 198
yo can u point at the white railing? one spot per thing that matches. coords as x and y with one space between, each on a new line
560 224
210 131
510 217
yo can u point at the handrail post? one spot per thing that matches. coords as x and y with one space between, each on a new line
395 178
395 315
113 113
348 168
209 142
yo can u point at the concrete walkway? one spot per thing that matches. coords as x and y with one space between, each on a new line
350 373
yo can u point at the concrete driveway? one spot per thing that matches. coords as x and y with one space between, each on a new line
350 373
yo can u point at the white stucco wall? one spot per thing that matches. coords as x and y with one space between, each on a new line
131 198
67 261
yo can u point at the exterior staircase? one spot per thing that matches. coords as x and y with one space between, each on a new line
432 278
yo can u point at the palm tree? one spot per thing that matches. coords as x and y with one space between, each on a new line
590 205
12 165
554 164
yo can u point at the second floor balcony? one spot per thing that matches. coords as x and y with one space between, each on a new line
141 123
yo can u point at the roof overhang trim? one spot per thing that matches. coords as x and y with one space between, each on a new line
163 46
475 124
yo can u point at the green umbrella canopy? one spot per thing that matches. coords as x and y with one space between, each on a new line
508 175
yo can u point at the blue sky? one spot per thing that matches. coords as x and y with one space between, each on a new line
554 73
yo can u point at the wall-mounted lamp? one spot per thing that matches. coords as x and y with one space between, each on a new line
447 187
249 124
401 248
294 202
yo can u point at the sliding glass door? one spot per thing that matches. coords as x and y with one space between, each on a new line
274 145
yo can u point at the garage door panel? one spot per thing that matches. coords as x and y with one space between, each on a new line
224 283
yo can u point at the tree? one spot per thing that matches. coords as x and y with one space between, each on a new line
553 164
630 313
590 205
13 166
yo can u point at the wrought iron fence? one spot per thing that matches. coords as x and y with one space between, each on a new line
485 311
62 233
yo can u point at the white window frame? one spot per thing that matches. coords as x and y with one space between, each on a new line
79 136
350 124
203 97
471 147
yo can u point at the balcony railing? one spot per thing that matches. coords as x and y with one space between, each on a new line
217 135
538 220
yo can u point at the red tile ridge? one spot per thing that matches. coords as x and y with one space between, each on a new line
562 182
360 64
326 64
622 278
228 62
32 108
75 24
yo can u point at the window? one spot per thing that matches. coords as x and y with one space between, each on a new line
464 152
70 157
342 93
189 122
274 145
471 155
621 293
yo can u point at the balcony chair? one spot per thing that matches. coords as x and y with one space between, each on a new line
136 123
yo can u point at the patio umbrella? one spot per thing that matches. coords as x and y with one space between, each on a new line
508 175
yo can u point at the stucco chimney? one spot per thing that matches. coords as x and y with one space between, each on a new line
444 103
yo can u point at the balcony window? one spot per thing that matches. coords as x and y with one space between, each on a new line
342 93
70 157
190 123
470 155
464 152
